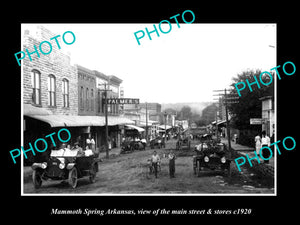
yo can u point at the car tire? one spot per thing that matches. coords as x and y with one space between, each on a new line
36 179
72 177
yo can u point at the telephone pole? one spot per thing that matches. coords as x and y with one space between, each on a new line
227 100
105 90
146 123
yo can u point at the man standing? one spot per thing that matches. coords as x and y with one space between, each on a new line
172 158
265 141
155 161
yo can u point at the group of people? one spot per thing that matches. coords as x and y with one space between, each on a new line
155 160
260 142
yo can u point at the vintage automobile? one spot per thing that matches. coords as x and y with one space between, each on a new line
66 164
211 154
129 146
158 142
183 143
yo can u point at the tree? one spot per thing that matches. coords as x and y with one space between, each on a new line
185 113
249 105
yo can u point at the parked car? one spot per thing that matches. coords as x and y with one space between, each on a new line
158 142
211 154
70 167
129 146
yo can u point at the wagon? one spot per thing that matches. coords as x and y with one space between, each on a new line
184 143
68 167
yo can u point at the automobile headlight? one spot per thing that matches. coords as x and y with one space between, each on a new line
223 159
44 165
61 166
206 159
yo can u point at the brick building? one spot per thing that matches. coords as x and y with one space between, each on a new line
86 91
49 88
57 94
50 81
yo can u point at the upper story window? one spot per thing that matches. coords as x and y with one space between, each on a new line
65 91
36 87
92 99
81 98
51 90
87 99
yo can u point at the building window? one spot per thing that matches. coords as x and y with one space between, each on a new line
99 102
65 91
103 102
81 98
51 90
87 99
36 87
92 99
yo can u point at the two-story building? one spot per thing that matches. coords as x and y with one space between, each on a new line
49 88
58 94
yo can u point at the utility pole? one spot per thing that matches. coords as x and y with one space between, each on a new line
227 100
165 115
146 122
106 118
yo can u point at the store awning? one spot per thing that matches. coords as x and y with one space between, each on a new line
78 121
163 127
139 129
219 122
71 120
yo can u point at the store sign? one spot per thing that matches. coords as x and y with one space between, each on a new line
122 101
256 121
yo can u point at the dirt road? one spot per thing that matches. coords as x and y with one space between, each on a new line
129 174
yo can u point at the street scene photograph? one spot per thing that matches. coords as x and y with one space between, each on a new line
130 109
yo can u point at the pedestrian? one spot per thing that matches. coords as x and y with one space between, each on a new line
109 143
155 159
172 158
265 141
144 142
90 142
257 140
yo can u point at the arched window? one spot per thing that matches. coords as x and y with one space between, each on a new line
65 91
51 90
36 87
87 99
81 98
92 99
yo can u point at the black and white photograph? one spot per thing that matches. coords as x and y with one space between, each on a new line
131 109
149 111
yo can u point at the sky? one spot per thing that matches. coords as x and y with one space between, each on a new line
184 65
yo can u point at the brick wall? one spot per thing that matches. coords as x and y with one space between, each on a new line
56 63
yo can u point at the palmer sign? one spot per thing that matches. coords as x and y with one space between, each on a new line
122 101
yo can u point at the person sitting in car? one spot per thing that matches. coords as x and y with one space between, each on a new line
79 150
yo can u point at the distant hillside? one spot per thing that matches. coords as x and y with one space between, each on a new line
196 107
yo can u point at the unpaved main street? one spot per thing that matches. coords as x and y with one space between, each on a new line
129 174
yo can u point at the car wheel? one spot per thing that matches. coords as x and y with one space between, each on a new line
37 179
72 178
93 173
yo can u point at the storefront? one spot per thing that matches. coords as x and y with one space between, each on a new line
38 122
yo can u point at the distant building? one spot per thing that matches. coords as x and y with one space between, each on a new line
268 115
